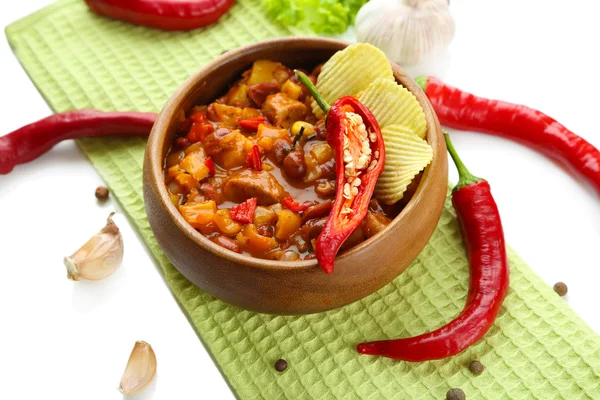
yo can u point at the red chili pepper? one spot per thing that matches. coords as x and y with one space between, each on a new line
33 140
484 240
465 111
169 15
252 123
244 212
254 160
293 205
355 181
211 165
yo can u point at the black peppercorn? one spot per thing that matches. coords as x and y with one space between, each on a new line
560 288
102 193
476 367
280 365
455 394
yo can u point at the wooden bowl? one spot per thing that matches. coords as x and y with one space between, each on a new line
277 287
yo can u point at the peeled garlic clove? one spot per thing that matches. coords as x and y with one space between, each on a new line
140 369
99 257
407 31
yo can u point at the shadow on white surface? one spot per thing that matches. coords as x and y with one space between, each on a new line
146 394
87 295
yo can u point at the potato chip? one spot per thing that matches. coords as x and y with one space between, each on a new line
350 71
393 104
406 154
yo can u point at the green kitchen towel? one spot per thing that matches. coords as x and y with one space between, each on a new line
538 347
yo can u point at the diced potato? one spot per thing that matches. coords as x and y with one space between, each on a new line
227 115
309 129
199 214
289 255
313 172
292 89
250 112
194 163
288 222
265 142
173 171
262 71
271 132
255 241
282 110
175 199
264 216
226 225
195 148
238 95
236 151
322 153
187 182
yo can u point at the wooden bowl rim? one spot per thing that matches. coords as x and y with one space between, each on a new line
173 104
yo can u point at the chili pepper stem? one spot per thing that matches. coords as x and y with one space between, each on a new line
313 91
421 81
465 177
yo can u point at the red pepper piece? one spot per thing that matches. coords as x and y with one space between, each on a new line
484 240
252 124
199 131
293 205
465 111
351 199
211 166
33 140
169 15
254 160
244 212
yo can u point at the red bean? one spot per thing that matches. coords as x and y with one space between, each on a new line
265 230
280 150
317 211
258 93
294 165
313 228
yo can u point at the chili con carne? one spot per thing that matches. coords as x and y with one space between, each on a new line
461 110
354 135
484 239
33 140
169 15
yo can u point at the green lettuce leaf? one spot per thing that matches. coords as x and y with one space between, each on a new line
322 16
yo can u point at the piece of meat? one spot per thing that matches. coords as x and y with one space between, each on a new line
248 183
283 111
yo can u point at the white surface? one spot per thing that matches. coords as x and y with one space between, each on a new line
71 340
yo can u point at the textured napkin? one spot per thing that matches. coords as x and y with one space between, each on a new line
538 347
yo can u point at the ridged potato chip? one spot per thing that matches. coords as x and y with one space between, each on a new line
393 104
406 154
350 71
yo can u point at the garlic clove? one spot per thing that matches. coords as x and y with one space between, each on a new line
140 369
99 257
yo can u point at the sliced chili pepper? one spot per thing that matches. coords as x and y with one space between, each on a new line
461 110
244 212
33 140
169 15
356 170
484 240
254 160
211 165
252 124
293 205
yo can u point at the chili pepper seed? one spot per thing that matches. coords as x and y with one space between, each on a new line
281 365
102 193
561 288
455 394
476 367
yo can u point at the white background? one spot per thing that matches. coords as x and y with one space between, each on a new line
71 340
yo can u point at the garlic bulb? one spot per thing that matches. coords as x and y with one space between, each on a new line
99 257
140 369
407 31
